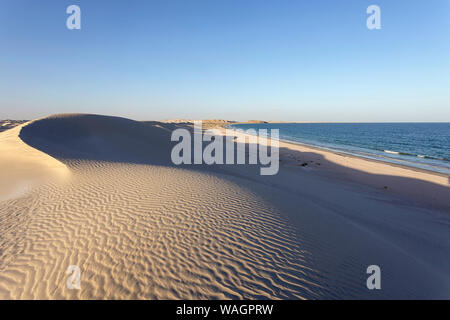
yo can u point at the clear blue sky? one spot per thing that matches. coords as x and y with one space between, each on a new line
235 59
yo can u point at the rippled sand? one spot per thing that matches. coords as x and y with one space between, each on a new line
142 230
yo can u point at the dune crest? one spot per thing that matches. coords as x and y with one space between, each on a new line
24 167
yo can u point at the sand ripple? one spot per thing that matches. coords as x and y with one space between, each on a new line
133 236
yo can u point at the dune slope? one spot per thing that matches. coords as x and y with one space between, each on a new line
23 166
139 230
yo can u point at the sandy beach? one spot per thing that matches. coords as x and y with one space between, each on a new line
102 193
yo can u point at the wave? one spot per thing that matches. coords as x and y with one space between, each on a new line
391 152
432 158
422 156
399 153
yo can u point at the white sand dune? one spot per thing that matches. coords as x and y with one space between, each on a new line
140 228
23 166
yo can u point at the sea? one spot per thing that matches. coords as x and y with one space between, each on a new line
418 145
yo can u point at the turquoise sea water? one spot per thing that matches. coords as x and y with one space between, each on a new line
420 145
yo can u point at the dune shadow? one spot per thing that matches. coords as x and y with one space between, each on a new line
100 138
420 191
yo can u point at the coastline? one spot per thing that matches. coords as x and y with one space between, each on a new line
369 157
345 154
420 186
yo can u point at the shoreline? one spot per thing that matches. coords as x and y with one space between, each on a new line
344 154
414 185
356 156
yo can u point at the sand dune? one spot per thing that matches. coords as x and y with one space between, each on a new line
24 167
133 236
138 227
